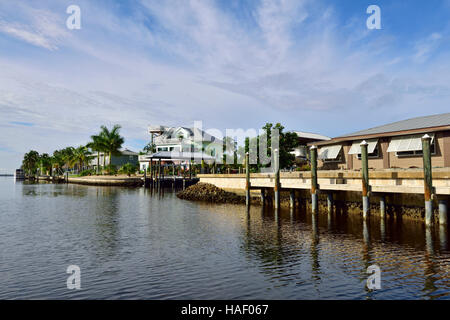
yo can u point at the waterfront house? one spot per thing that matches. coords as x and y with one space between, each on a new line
125 156
393 145
182 139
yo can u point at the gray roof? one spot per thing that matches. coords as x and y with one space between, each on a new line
310 135
436 120
128 152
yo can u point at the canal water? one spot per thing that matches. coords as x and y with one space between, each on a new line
134 244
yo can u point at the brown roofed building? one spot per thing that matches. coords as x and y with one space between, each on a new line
394 145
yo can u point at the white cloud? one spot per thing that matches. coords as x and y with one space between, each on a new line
36 26
179 61
424 48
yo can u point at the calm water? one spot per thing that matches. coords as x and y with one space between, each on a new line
131 244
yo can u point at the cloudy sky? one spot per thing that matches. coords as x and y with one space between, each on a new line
310 64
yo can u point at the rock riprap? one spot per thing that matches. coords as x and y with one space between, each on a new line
209 192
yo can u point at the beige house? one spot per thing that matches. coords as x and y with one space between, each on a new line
394 145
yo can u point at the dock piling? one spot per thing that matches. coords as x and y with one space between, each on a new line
442 212
247 180
276 189
292 199
314 200
151 173
190 169
145 178
330 202
383 206
428 181
263 196
365 178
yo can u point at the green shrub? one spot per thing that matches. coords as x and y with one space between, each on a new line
87 173
128 169
304 167
110 169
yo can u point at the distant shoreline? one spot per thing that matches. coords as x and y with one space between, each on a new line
6 175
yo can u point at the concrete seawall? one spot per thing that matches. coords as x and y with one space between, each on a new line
383 181
402 189
123 181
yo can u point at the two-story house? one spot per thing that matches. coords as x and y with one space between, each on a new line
182 139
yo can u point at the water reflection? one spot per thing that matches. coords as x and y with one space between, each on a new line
443 234
383 228
430 266
107 223
161 247
315 265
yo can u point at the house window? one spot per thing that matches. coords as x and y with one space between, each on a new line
374 154
337 159
416 153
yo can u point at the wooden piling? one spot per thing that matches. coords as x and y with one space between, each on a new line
190 169
145 178
365 178
330 202
247 180
314 186
159 173
263 196
428 181
442 212
292 198
151 173
383 206
276 188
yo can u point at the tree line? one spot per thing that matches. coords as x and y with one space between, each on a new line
109 142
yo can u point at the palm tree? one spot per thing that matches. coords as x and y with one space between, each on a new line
81 155
111 140
67 156
30 161
149 148
45 163
57 160
97 144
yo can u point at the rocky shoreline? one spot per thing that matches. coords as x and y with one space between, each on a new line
209 193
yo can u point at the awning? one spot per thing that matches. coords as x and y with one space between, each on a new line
330 152
356 146
407 143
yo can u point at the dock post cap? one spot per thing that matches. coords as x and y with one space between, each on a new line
246 153
275 150
426 136
363 143
313 147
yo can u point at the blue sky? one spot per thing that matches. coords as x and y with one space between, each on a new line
311 65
